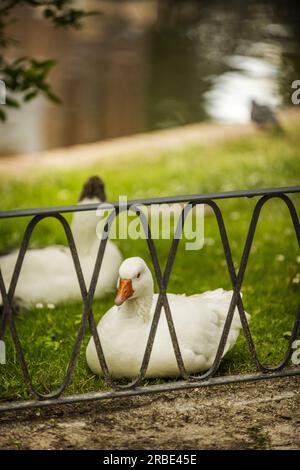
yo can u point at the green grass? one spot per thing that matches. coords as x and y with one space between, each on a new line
270 294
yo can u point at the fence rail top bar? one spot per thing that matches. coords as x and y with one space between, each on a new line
145 390
147 202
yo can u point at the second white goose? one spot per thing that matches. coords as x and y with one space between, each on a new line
48 274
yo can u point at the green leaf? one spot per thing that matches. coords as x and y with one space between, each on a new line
43 64
30 96
48 13
12 102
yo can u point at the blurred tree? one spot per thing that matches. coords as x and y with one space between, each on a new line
27 76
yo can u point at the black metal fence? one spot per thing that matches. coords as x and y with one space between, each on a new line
162 277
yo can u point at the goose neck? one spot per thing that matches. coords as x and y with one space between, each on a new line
138 307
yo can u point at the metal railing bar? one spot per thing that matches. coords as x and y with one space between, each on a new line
161 299
241 309
100 353
162 285
236 300
238 280
239 304
233 276
145 390
243 265
76 349
162 281
175 243
6 307
174 339
90 298
200 198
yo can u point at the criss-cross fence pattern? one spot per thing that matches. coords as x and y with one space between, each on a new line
162 277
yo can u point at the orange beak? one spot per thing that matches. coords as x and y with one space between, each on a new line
125 290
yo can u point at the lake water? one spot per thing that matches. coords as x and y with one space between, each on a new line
142 66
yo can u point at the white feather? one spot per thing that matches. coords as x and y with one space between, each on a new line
199 320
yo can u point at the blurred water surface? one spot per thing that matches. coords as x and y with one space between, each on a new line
146 65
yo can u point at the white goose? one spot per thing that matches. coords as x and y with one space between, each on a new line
124 329
48 274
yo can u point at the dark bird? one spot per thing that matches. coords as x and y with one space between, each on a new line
264 116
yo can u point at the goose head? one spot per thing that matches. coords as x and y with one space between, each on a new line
92 189
84 223
135 281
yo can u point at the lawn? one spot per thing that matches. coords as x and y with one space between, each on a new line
271 287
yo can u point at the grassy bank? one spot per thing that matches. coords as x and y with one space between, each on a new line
271 287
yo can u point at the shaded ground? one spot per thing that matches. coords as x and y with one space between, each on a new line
259 415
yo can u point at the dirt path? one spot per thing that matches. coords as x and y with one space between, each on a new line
144 144
259 415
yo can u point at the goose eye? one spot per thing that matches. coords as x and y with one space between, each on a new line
139 274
